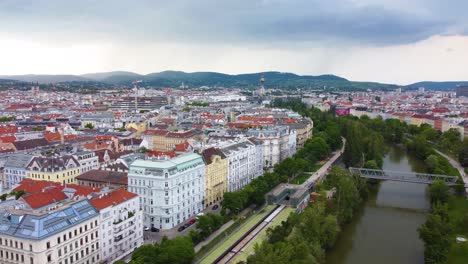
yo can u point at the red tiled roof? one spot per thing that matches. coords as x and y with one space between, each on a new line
7 139
42 193
156 153
182 146
8 129
113 198
114 177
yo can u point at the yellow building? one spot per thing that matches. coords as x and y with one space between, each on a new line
140 127
216 175
62 169
162 140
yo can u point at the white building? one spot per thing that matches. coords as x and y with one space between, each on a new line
63 234
121 223
88 161
15 169
170 191
243 163
279 143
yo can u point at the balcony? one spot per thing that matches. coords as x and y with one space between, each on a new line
122 228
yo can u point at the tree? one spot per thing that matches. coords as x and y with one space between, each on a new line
432 162
234 201
439 192
377 98
463 154
89 126
176 250
435 233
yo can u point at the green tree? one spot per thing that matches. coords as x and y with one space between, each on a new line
432 162
463 154
439 192
435 233
176 250
89 126
234 201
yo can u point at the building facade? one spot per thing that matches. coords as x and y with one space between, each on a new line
242 158
62 169
63 235
88 161
121 224
216 175
171 191
15 169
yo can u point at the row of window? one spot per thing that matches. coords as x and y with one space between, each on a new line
12 243
76 232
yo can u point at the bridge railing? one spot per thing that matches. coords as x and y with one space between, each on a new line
425 178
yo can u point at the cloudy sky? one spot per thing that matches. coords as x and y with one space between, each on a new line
393 41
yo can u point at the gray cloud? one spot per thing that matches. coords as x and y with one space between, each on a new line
379 22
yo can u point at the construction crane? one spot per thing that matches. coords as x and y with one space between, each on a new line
135 89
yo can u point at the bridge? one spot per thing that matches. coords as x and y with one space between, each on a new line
422 178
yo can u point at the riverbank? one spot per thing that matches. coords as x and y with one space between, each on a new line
389 219
458 212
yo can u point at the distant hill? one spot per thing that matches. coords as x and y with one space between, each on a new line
45 78
196 79
439 86
113 77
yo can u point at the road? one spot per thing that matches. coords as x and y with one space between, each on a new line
459 168
324 169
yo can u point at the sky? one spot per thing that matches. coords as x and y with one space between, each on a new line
390 41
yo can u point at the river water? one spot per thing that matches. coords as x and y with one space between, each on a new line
385 229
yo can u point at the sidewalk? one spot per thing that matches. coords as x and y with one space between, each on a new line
459 167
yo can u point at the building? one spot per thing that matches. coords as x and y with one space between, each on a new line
121 223
15 169
242 157
216 175
103 178
142 103
163 140
88 160
303 129
68 233
62 169
462 90
278 143
171 191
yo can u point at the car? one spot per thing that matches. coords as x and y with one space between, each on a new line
186 225
192 221
181 228
215 207
146 228
200 214
154 229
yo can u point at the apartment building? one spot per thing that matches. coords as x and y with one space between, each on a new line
63 234
216 175
15 169
88 160
63 169
171 190
121 223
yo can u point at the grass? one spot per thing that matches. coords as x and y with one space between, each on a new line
458 208
262 235
224 245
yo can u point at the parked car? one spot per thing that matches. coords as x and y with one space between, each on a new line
192 221
181 228
215 207
200 214
146 228
154 229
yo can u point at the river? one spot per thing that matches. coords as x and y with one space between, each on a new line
385 229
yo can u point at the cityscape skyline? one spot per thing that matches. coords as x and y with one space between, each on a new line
384 41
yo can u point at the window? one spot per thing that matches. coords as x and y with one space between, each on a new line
31 260
59 252
48 245
49 258
58 240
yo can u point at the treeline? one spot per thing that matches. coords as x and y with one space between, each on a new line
4 119
327 138
304 238
444 222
